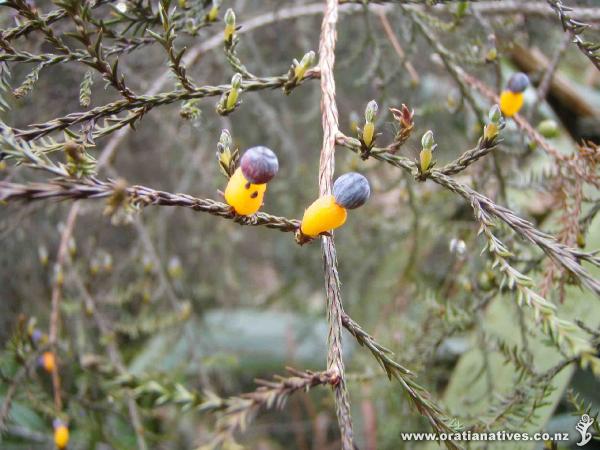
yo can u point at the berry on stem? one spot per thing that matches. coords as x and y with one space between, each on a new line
47 361
61 434
330 211
511 99
246 188
518 82
351 190
259 164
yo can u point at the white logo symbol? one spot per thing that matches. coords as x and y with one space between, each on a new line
582 426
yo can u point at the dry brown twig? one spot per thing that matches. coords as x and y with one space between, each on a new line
414 76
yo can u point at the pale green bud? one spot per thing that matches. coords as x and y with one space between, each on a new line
229 17
308 59
236 81
427 141
495 115
225 139
371 111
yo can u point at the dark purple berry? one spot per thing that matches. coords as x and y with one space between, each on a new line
259 165
351 190
518 82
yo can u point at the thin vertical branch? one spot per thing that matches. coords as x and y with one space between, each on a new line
56 297
387 27
329 113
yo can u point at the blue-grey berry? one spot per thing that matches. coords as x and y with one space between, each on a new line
36 336
351 190
259 165
518 82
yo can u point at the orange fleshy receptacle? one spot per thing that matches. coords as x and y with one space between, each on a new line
323 215
48 361
511 102
245 198
61 435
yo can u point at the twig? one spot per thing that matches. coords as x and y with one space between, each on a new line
575 28
35 131
56 298
138 196
567 257
329 115
453 69
240 410
419 397
397 47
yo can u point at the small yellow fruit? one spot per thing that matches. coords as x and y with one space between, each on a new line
246 198
48 362
61 436
323 215
511 102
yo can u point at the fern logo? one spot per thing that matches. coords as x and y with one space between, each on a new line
582 426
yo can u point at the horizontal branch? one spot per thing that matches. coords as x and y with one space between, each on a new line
531 9
28 26
567 257
469 157
238 411
495 7
148 102
234 413
137 196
